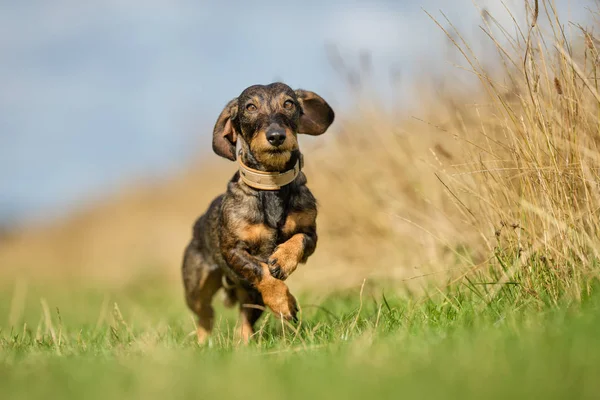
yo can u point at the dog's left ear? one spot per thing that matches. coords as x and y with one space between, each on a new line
316 114
224 133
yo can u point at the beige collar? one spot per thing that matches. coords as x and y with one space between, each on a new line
262 180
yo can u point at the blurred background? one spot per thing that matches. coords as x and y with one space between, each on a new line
106 111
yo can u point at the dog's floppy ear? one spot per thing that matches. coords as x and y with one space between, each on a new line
224 134
316 115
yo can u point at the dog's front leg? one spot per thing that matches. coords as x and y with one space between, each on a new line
289 254
275 292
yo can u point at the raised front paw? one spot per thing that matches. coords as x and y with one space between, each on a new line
278 298
283 261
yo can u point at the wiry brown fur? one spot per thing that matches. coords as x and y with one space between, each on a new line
254 239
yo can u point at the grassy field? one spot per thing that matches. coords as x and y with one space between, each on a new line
488 199
136 343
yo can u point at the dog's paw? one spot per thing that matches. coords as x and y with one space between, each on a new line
282 303
283 262
288 309
278 298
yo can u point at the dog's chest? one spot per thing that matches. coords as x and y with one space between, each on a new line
271 218
274 207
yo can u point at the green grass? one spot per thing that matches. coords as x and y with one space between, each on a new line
77 344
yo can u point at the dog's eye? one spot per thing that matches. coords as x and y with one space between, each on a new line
288 105
251 107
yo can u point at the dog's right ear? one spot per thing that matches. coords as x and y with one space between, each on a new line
224 134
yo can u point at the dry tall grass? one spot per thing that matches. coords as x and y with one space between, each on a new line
503 176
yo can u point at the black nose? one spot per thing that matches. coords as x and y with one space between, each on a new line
276 137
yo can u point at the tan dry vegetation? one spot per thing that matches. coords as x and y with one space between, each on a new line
504 175
365 175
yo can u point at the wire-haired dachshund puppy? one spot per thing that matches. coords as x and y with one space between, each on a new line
254 235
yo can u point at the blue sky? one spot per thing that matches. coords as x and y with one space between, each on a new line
94 94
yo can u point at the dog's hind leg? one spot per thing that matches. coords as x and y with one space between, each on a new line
229 291
251 308
201 281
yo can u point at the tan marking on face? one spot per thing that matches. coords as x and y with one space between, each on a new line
263 151
259 142
277 102
256 101
295 221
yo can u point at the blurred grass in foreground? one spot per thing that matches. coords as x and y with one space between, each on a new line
134 344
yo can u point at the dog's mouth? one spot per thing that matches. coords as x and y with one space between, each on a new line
278 150
273 159
287 147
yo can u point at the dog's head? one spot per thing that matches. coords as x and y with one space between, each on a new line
266 119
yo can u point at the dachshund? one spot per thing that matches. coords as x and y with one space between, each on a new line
252 237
